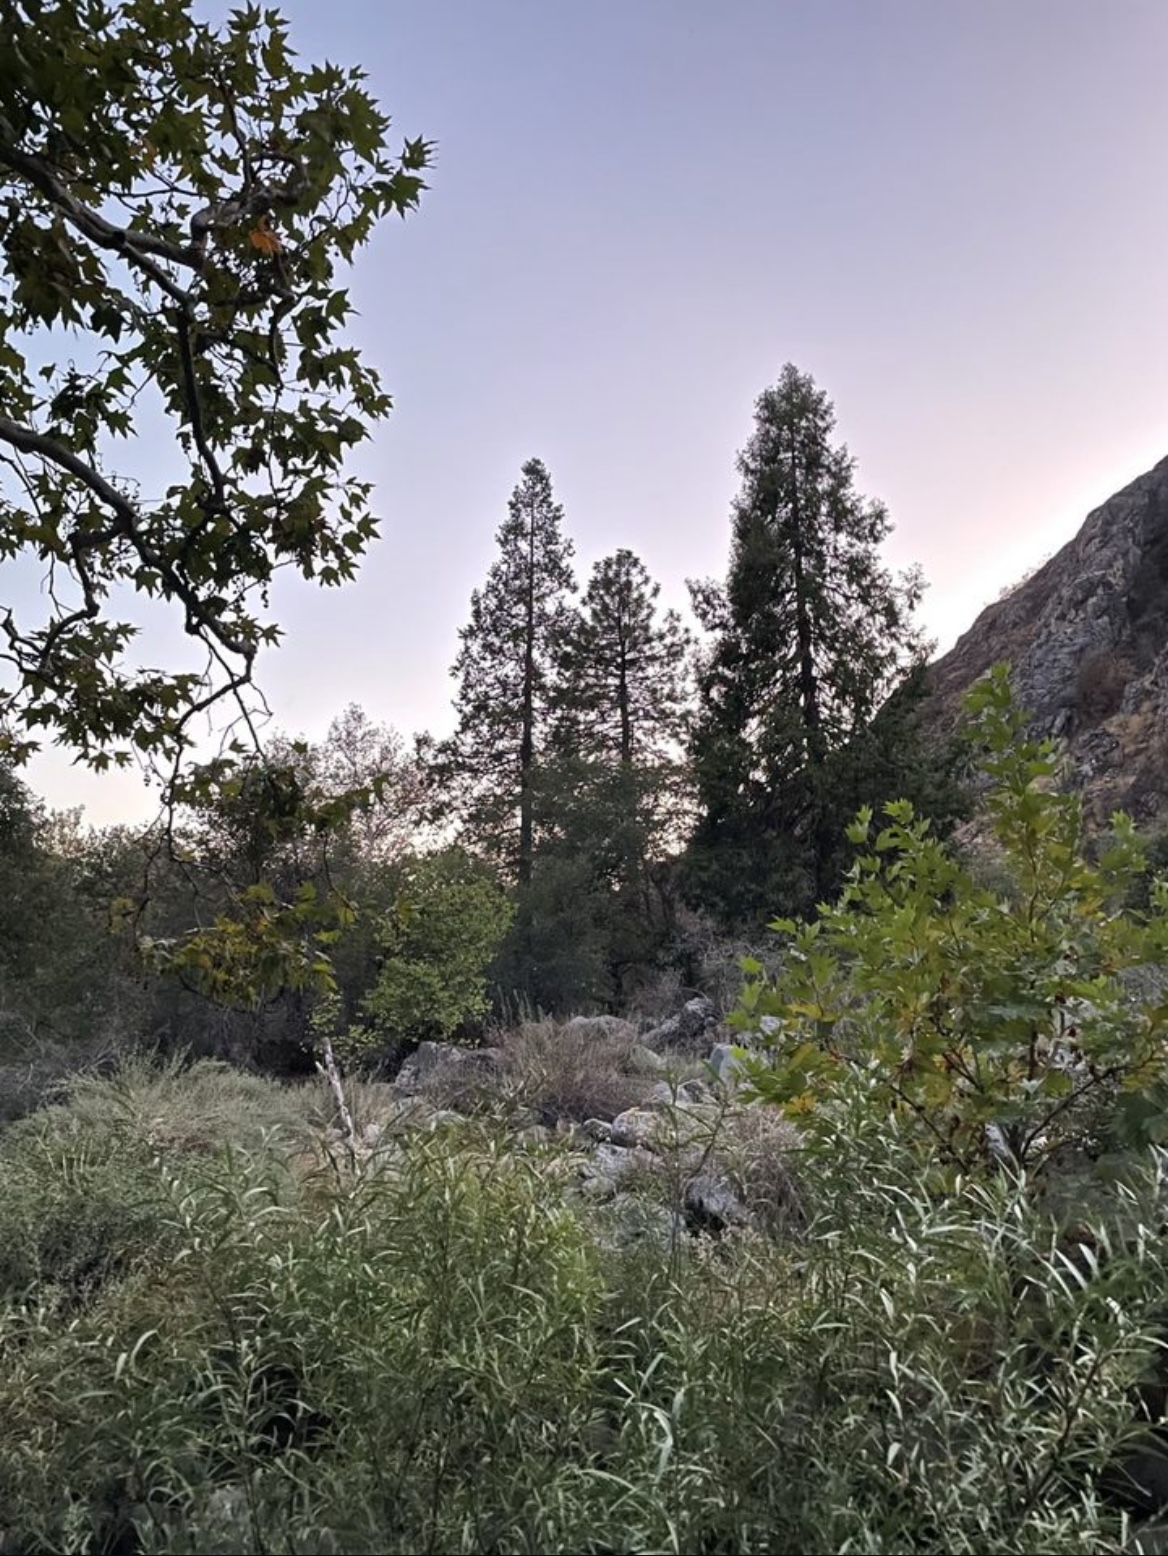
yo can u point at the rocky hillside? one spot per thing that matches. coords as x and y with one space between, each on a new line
1087 636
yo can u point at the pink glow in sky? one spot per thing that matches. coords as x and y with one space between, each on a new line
954 215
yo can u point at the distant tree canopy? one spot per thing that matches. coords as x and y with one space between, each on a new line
176 201
605 764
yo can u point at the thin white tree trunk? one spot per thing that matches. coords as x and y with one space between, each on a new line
333 1075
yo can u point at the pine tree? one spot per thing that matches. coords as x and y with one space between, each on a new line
809 635
625 670
506 670
612 798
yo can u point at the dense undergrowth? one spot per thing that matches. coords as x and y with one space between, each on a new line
226 1325
214 1336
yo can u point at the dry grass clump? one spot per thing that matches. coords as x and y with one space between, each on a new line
571 1071
759 1149
569 1074
472 1082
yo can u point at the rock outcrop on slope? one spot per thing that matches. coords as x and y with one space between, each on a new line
1087 637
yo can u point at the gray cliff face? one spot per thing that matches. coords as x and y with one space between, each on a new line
1087 637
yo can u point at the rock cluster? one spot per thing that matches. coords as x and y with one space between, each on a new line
668 1167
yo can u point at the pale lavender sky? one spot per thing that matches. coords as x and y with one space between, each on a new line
952 213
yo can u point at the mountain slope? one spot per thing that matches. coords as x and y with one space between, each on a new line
1087 637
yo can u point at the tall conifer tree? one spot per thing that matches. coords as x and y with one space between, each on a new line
808 636
612 797
506 671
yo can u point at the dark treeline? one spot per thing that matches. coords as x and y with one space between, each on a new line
621 808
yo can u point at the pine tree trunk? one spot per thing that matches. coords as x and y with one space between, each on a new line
634 859
527 736
808 692
626 723
808 688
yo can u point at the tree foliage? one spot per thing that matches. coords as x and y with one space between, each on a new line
64 977
507 677
1002 1026
808 636
180 199
612 801
437 944
625 668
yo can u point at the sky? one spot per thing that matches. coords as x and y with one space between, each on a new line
952 213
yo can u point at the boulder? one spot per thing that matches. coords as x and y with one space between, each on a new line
726 1062
666 1094
696 1091
637 1127
713 1205
598 1189
610 1028
644 1061
687 1030
615 1164
629 1220
442 1063
666 1128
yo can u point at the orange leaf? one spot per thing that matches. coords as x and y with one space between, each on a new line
263 238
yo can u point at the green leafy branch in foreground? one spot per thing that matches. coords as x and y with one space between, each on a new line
210 1340
183 198
1006 1024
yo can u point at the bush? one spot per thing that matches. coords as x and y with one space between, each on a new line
436 947
432 1354
174 1107
404 1363
1001 1023
83 1201
709 962
1100 684
860 1389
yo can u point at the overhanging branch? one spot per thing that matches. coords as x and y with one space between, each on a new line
126 521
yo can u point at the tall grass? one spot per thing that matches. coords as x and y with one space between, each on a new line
434 1354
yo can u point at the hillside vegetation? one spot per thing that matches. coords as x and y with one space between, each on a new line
230 1324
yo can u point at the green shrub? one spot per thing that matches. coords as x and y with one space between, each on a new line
433 1355
404 1362
436 947
918 1372
1001 1023
175 1106
82 1198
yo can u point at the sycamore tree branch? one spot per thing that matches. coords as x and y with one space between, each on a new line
194 405
126 525
135 247
141 249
